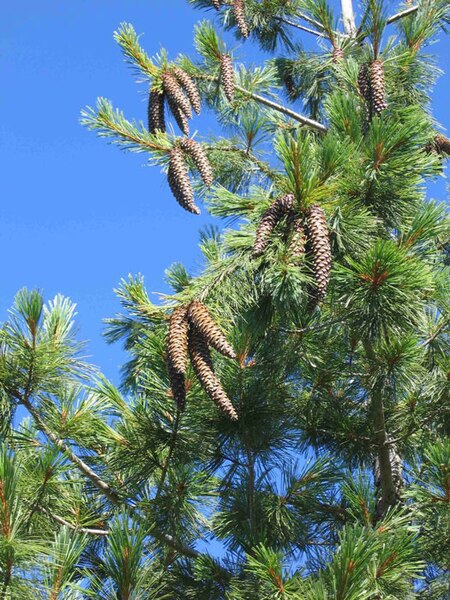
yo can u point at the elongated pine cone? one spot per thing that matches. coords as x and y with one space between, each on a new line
269 220
175 94
297 243
321 250
195 150
216 4
227 76
377 88
190 87
177 339
179 116
177 385
202 363
200 317
179 182
156 112
364 82
239 15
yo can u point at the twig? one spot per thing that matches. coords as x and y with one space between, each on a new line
302 27
61 521
403 13
282 109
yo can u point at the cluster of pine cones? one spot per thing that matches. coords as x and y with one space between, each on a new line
308 231
239 15
371 86
182 95
192 331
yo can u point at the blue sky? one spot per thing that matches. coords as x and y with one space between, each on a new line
77 215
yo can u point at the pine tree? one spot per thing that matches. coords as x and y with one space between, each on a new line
306 455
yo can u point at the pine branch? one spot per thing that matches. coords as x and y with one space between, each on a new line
282 109
301 27
61 521
348 17
403 13
388 494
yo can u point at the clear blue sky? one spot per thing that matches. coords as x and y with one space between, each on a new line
76 215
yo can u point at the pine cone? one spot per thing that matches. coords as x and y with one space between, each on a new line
179 116
269 221
442 144
216 4
338 55
202 163
199 315
227 76
239 16
364 82
179 182
202 363
177 385
175 94
177 339
321 249
190 87
377 91
156 112
298 237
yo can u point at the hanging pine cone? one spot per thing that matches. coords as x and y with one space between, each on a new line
175 94
321 249
338 55
179 116
202 363
216 4
269 220
179 182
200 317
298 237
202 163
377 91
177 339
190 87
227 76
364 82
239 16
177 385
156 112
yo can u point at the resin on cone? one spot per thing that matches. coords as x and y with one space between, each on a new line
321 250
156 112
227 76
190 87
200 317
177 339
195 150
202 363
179 182
269 220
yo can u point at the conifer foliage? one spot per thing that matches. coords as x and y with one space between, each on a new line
281 430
